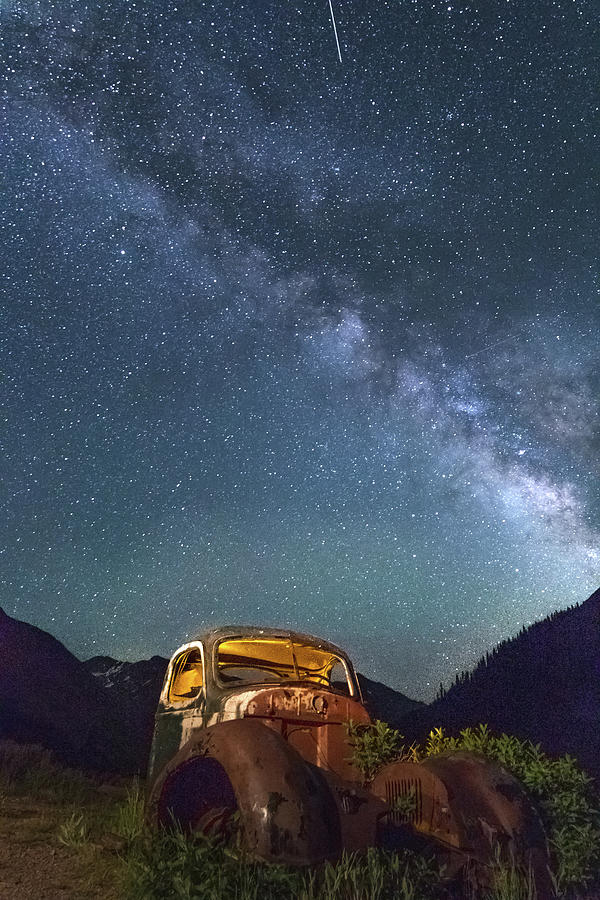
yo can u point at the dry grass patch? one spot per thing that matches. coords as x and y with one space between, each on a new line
38 800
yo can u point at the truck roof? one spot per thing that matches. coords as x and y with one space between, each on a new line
211 635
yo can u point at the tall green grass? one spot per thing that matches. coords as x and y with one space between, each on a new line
168 865
507 881
128 819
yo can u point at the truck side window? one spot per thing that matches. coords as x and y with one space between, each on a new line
187 678
338 678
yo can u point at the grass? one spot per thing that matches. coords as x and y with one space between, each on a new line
53 824
168 865
510 883
507 881
129 815
96 846
74 832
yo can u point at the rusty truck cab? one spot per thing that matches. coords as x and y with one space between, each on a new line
300 686
252 721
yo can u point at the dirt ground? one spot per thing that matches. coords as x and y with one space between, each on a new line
35 865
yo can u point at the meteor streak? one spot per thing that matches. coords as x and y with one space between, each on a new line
335 30
511 337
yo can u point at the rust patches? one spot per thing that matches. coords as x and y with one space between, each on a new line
282 758
274 802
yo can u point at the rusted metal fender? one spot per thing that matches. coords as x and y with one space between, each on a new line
470 805
287 811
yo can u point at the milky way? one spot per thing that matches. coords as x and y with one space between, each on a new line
299 341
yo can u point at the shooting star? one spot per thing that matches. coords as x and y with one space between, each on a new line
335 31
511 337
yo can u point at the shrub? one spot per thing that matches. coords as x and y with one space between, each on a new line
18 761
32 769
561 791
375 745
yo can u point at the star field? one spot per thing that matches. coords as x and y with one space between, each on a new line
298 342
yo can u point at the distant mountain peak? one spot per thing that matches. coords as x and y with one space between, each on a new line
63 707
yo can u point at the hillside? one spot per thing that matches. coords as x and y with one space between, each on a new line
384 702
48 697
543 685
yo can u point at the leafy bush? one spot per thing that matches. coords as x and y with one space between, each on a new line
562 792
375 745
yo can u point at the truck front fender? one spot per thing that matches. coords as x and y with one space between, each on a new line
287 812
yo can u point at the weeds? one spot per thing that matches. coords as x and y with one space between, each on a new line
74 832
373 746
405 805
168 865
375 875
129 815
509 881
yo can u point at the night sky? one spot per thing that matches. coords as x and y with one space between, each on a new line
293 341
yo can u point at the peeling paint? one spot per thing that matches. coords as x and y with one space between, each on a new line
283 753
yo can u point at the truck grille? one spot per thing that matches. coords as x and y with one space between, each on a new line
395 790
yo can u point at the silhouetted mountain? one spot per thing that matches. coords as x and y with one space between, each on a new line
102 663
384 702
134 688
140 681
100 713
48 697
543 685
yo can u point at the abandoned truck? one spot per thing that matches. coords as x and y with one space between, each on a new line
253 721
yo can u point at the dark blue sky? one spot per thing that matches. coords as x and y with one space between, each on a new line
293 341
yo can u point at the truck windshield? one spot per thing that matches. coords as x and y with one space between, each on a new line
275 660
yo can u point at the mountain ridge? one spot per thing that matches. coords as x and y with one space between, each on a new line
48 697
542 685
